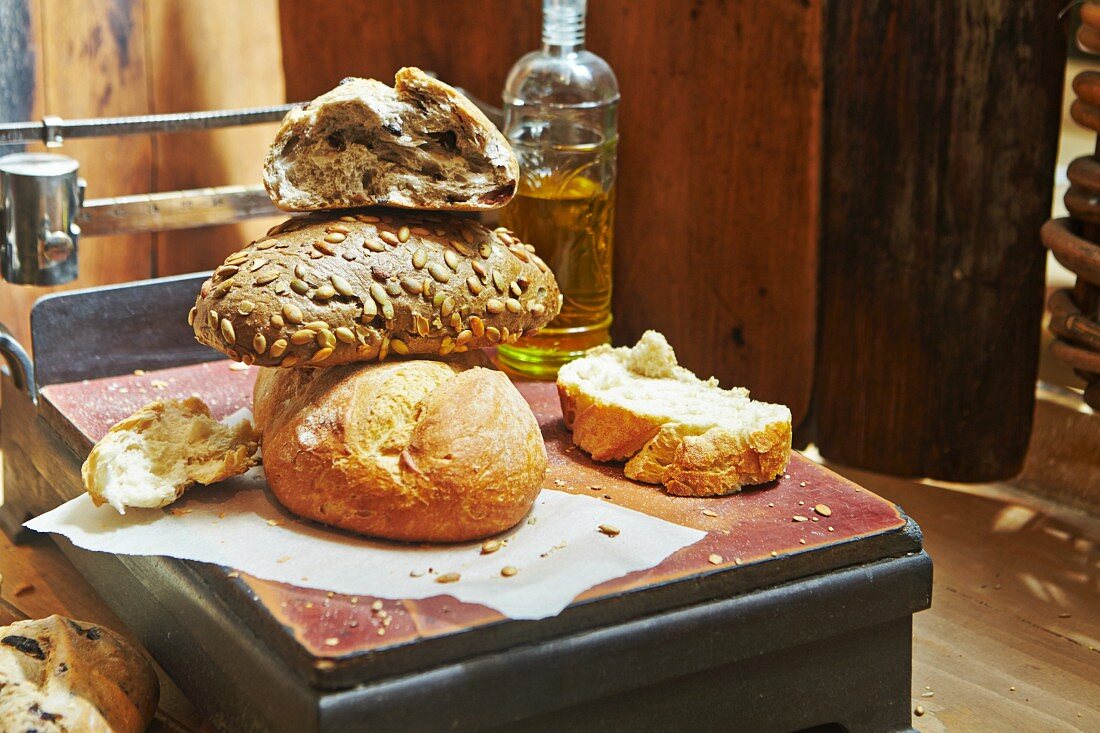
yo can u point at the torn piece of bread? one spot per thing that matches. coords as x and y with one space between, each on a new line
63 676
417 145
636 404
149 459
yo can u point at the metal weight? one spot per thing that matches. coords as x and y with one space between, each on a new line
40 196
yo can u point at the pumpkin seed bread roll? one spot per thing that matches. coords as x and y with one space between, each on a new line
329 289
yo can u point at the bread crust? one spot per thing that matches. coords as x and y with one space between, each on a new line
331 289
413 450
417 145
63 676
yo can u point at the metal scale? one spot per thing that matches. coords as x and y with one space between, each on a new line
795 629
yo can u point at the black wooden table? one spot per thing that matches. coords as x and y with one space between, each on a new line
800 624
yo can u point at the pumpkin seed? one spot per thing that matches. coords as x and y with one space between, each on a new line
438 272
342 286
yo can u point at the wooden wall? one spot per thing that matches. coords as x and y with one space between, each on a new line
941 136
126 57
716 221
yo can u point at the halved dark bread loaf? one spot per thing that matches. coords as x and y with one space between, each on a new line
418 145
330 289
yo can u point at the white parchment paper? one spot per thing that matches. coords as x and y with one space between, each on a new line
558 551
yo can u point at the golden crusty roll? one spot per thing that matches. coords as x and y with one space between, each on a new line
417 450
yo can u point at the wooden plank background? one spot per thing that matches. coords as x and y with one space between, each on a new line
941 135
716 217
129 57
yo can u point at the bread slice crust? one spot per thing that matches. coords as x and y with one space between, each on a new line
689 453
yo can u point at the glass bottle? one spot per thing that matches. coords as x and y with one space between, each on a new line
560 116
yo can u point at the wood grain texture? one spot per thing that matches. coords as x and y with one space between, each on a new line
716 220
941 129
209 54
1010 643
93 65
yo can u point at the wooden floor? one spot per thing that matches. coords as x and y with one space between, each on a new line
1011 643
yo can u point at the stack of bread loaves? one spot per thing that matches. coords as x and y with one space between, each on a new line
374 414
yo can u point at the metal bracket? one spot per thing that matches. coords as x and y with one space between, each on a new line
19 362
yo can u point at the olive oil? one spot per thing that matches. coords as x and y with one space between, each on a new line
569 220
561 116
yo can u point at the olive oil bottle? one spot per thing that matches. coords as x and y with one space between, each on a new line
561 115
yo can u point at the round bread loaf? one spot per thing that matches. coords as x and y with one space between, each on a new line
412 450
63 676
330 289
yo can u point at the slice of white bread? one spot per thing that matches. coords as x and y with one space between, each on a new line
149 459
417 145
672 428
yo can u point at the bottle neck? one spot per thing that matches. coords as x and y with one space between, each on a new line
563 26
